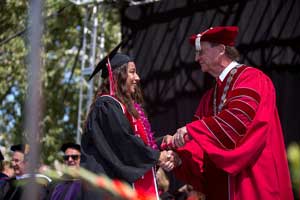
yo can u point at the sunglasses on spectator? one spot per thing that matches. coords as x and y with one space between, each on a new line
74 157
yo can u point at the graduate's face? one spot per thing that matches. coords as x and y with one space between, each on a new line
132 78
209 57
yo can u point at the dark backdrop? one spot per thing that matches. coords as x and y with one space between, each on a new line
173 84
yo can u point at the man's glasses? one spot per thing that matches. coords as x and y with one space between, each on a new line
74 157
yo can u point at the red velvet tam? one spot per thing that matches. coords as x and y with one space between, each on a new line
220 34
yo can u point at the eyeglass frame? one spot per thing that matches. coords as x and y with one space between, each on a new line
74 157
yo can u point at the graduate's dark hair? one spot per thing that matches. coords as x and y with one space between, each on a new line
120 76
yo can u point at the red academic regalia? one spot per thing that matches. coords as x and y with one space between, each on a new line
147 183
239 153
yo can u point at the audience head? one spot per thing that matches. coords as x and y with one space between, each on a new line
17 161
6 168
72 154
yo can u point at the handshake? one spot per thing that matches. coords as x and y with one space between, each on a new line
168 159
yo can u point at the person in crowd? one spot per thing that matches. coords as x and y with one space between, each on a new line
68 189
191 193
3 168
234 149
7 189
72 154
6 170
13 188
163 184
18 159
117 139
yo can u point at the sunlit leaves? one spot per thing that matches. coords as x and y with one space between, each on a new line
62 37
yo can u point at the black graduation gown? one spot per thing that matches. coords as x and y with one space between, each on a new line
109 145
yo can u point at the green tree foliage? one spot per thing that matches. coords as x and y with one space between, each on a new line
293 154
62 41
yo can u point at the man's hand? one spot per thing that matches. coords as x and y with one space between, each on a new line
180 137
167 143
177 140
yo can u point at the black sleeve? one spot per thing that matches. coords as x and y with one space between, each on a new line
110 141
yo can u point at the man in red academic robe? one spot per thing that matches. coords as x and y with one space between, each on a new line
234 149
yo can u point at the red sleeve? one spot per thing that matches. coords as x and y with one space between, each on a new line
238 132
188 171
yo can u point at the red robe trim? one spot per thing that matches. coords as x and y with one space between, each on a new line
147 183
256 166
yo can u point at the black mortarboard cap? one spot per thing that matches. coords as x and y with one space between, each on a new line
18 147
72 145
116 60
1 156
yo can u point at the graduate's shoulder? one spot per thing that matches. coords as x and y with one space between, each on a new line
108 100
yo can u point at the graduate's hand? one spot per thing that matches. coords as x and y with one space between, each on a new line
175 158
172 160
166 160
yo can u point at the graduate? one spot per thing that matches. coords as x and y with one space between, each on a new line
117 139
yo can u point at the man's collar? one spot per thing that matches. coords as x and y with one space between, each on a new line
227 70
